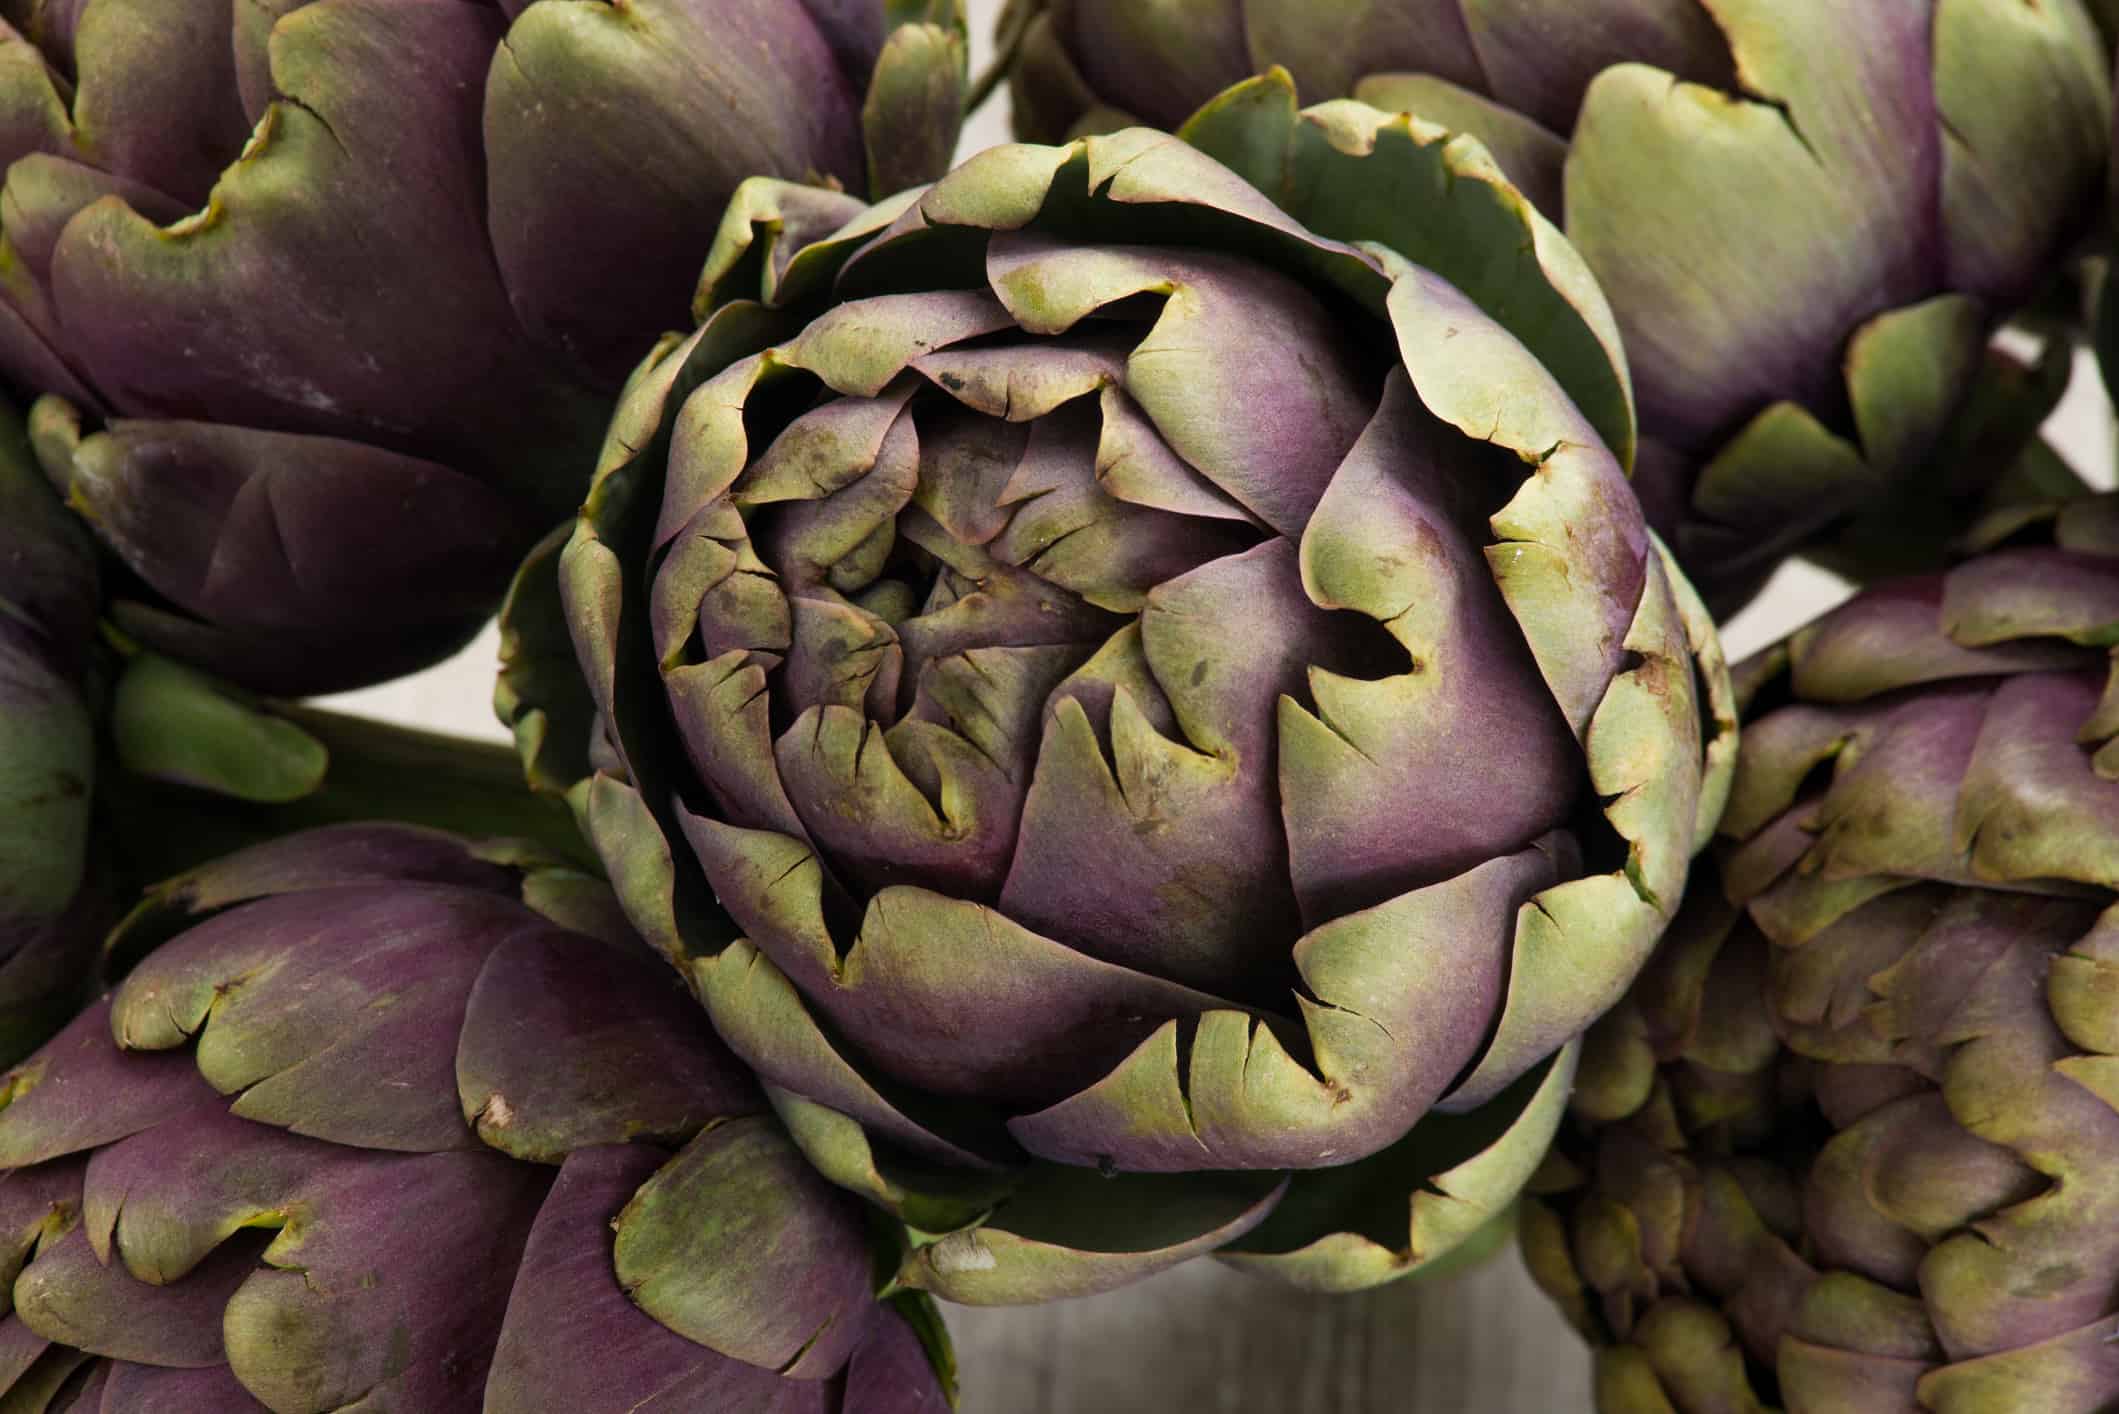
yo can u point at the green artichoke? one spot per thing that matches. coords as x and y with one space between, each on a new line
1180 712
1809 215
389 1120
330 296
1853 1142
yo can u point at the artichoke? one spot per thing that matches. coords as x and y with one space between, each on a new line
118 767
1181 712
1853 1142
394 1120
1808 215
330 298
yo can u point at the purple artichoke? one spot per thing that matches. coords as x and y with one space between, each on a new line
118 768
1181 713
1852 1145
1809 215
392 1120
341 289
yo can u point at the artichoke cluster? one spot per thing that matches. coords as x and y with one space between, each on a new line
1143 693
1853 1142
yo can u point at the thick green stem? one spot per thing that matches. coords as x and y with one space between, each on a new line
375 772
475 788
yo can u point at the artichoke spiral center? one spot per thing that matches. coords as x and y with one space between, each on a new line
1083 626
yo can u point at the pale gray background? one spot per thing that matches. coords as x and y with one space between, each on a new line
1201 1339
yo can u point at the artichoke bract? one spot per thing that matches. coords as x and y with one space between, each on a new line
1808 215
329 298
1181 713
1853 1142
384 1118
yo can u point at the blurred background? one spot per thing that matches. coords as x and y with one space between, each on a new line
1202 1339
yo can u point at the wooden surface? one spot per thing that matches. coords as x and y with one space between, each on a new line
1205 1340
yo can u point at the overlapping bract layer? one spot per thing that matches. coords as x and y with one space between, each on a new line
348 282
358 1134
1161 692
1853 1143
1808 215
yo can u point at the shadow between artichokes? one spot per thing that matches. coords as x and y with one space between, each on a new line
1151 721
1809 215
384 1118
328 298
1850 1145
53 906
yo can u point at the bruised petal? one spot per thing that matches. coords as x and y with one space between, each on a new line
1915 753
1021 382
570 1042
840 656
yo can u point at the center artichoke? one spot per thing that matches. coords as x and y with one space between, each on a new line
1166 696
